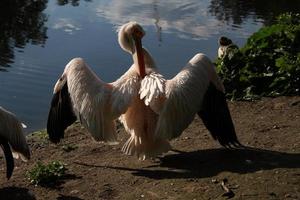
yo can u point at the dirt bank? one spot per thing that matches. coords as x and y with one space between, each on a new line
270 170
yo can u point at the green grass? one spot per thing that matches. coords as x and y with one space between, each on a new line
46 174
69 147
41 134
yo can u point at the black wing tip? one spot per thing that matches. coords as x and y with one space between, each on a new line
216 117
9 173
10 164
55 140
230 141
61 114
55 137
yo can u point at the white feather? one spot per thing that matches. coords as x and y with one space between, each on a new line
152 87
24 125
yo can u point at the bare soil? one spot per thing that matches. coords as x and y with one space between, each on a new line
268 169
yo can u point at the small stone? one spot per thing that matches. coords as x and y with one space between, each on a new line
288 196
215 181
74 192
272 194
294 103
249 161
275 127
230 194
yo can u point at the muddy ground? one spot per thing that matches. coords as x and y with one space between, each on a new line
270 169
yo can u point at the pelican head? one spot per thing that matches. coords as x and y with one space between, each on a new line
129 37
128 34
224 41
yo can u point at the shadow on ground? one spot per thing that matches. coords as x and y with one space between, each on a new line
64 197
57 184
210 162
13 193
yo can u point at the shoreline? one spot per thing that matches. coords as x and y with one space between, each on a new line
97 171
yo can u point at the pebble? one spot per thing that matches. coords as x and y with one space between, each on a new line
215 181
249 161
74 192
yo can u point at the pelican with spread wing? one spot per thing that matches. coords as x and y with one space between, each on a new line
152 109
80 94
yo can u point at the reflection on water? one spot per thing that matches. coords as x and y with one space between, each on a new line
38 37
21 22
194 19
237 11
156 22
188 19
72 2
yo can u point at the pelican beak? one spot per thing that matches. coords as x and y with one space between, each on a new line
137 36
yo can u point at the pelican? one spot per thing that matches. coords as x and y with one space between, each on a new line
152 109
80 94
12 140
225 45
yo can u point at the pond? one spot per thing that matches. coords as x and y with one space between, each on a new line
39 37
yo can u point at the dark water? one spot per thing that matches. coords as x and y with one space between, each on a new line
38 37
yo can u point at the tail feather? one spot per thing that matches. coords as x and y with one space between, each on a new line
145 149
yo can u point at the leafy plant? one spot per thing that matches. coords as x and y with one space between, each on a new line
69 147
41 135
46 174
269 63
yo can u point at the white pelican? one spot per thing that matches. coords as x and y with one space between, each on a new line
153 110
12 140
80 94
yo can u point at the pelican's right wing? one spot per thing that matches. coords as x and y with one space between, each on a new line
184 94
176 101
195 89
96 104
